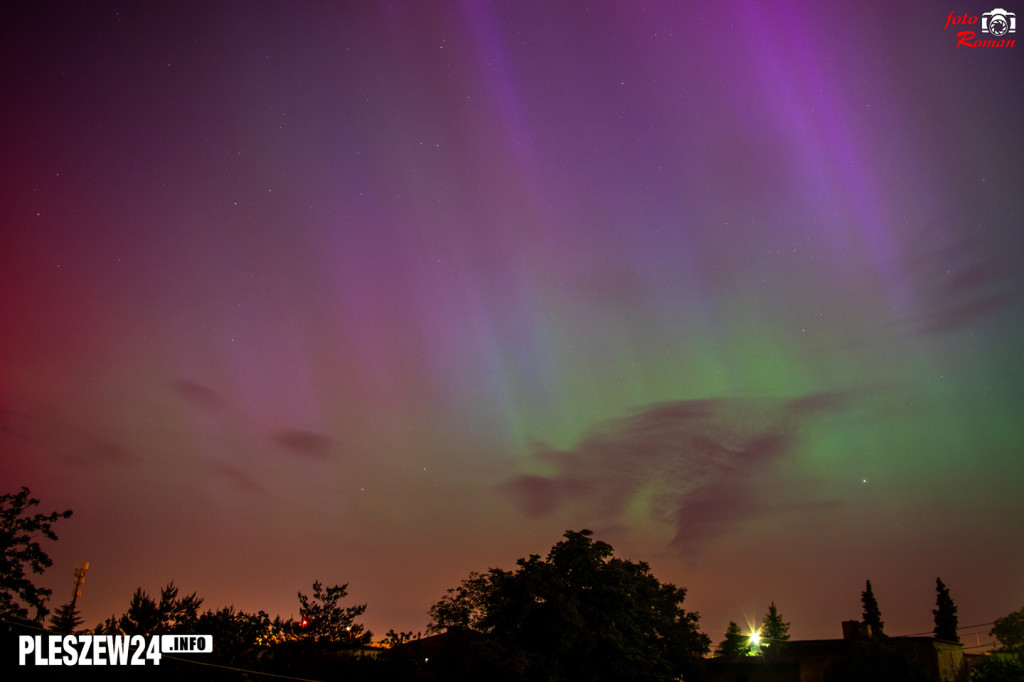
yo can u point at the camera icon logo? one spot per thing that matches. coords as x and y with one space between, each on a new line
999 22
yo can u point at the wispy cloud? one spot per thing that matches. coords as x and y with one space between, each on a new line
960 275
696 466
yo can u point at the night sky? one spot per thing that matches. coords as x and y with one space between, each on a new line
383 293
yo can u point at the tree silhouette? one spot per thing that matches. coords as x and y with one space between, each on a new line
178 614
1009 630
322 620
66 619
393 639
735 642
945 614
773 628
579 614
995 668
142 616
20 550
238 635
872 614
146 616
463 607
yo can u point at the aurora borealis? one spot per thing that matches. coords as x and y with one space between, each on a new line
381 294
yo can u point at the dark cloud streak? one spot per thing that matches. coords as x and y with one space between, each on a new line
304 443
101 455
198 395
238 479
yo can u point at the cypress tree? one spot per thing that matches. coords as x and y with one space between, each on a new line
945 614
872 614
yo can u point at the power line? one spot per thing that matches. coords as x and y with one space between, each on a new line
965 627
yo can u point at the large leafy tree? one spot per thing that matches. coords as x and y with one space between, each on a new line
945 614
463 607
580 614
21 554
1009 630
872 614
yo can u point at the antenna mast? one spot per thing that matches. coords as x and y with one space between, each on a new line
80 570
